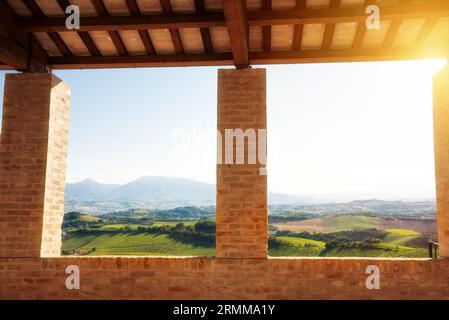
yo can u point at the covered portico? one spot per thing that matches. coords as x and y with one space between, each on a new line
35 40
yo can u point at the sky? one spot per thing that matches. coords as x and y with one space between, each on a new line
336 131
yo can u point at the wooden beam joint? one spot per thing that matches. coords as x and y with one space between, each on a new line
237 23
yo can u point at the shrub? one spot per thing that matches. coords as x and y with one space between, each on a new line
205 226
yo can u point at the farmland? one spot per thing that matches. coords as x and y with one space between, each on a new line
121 243
351 235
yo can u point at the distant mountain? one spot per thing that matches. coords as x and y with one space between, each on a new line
163 188
275 198
149 192
88 190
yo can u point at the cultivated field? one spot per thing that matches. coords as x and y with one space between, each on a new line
330 224
121 243
290 235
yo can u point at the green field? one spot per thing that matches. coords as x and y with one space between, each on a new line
327 236
120 226
400 236
85 217
290 246
344 223
331 224
408 253
133 244
76 241
302 242
174 223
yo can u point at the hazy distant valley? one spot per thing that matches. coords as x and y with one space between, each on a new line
173 216
154 192
150 192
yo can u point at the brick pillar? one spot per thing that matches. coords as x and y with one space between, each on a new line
33 151
241 188
441 140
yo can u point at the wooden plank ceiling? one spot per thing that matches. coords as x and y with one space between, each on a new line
157 33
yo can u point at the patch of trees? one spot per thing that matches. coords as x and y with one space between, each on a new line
72 220
287 218
205 226
366 245
364 235
274 243
159 214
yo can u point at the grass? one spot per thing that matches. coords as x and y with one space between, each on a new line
110 241
155 224
400 237
120 226
134 244
404 232
401 253
349 222
329 224
302 242
174 223
295 247
87 218
76 241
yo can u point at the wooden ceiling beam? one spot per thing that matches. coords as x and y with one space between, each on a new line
5 66
237 23
435 9
205 32
174 33
392 33
330 27
37 12
13 54
102 11
143 34
298 30
164 60
256 58
266 30
347 55
361 29
84 36
393 30
118 23
425 31
19 50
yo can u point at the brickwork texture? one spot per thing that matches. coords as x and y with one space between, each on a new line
33 152
441 142
241 189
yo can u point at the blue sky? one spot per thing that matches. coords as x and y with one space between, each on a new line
343 131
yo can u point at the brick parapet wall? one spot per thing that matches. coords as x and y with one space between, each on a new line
213 278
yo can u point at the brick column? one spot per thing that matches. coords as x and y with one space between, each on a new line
33 151
241 188
441 140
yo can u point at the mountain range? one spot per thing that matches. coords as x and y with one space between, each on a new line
150 192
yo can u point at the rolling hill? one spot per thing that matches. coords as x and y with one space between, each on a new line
149 192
